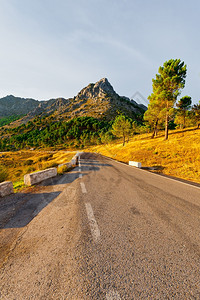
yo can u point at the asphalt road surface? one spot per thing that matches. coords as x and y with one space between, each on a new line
103 231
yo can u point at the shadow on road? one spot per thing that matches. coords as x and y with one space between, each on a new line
17 210
30 209
156 169
61 179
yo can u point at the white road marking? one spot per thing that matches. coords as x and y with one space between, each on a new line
92 222
113 295
80 175
83 188
79 169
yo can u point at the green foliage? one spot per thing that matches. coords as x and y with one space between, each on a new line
154 114
46 133
8 120
184 104
166 88
62 169
106 138
18 185
196 114
121 127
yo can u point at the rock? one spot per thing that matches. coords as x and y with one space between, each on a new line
100 89
6 188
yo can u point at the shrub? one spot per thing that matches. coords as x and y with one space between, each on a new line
50 165
18 173
62 169
45 158
18 185
31 169
28 162
3 173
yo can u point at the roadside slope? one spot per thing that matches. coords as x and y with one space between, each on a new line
179 156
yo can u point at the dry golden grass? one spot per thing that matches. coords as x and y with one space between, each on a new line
19 163
179 156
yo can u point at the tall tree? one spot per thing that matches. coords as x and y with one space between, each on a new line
153 115
167 85
184 104
196 111
121 127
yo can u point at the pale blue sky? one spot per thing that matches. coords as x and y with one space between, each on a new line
53 48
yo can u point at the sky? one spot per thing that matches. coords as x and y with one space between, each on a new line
54 48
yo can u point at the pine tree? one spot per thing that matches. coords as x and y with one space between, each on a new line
184 104
121 127
167 85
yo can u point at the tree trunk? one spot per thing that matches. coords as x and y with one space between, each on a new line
153 133
155 129
166 125
184 120
123 140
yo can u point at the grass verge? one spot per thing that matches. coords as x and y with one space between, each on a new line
179 156
14 165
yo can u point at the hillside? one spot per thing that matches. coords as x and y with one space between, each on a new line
179 156
11 105
98 100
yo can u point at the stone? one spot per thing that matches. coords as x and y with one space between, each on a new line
6 188
135 164
33 178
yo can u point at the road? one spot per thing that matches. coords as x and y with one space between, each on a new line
103 231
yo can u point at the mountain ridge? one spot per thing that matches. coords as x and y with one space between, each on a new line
96 99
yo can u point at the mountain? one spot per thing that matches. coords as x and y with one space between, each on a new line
98 100
11 105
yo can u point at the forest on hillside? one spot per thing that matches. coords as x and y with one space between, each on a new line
44 132
163 113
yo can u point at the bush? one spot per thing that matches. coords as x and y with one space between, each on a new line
30 170
45 158
3 174
18 173
50 165
18 185
62 169
28 162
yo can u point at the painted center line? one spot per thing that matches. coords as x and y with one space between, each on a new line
83 188
92 222
112 295
79 162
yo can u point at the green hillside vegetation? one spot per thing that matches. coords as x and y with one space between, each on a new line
85 131
44 133
7 120
99 117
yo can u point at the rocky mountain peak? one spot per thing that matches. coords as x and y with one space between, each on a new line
98 90
98 100
104 85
